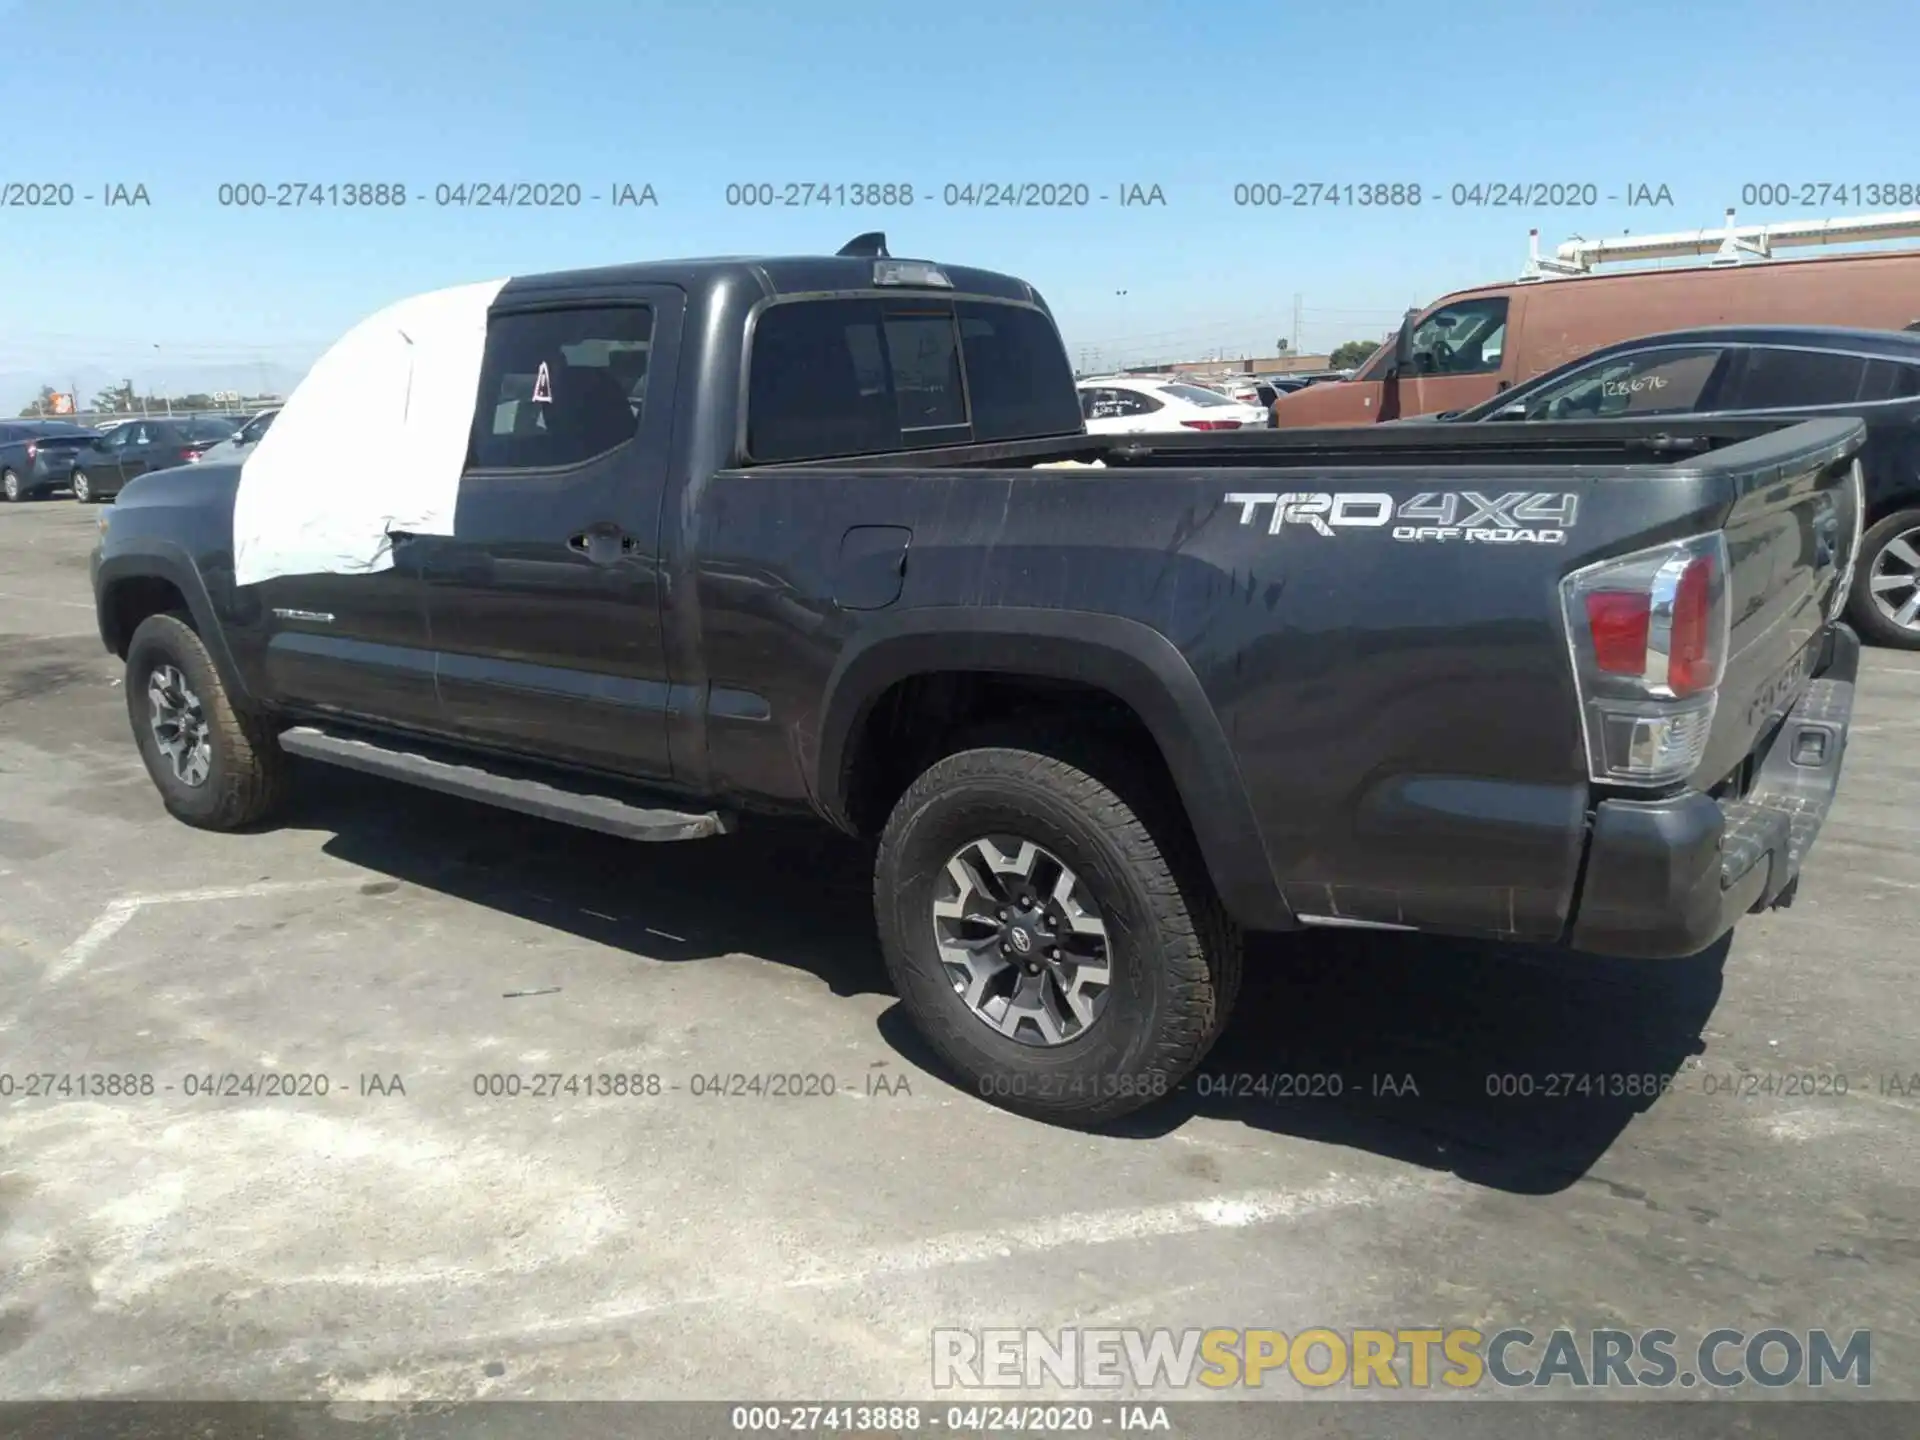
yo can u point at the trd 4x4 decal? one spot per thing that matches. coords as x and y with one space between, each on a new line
1522 517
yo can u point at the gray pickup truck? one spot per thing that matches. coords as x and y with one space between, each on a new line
825 536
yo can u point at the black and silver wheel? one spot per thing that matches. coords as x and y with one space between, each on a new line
1885 604
1021 941
82 487
178 720
11 487
214 768
1056 941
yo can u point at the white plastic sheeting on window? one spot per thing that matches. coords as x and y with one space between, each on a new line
373 440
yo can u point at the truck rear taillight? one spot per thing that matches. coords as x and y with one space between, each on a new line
1648 633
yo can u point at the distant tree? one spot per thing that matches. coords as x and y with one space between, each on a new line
1350 353
115 398
42 403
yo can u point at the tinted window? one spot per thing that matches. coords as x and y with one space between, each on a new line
859 377
1890 380
1784 379
923 354
1017 373
560 386
1652 382
1461 339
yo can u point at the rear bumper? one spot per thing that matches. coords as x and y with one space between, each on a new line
1667 878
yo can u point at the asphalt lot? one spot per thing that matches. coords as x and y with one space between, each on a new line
434 1242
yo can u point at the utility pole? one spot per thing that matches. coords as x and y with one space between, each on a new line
1121 362
1295 347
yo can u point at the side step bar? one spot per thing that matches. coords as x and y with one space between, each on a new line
529 796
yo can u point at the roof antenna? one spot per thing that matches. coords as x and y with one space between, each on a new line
873 243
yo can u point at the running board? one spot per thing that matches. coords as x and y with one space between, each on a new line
509 791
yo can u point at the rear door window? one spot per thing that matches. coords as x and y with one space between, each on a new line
1781 379
867 376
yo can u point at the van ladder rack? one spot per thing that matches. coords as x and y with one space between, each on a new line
1730 245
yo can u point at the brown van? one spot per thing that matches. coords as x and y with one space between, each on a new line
1473 344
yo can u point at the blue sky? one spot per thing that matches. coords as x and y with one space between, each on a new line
690 97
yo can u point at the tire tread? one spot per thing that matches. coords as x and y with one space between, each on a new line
255 775
1195 939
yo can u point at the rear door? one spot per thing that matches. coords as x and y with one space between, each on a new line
545 602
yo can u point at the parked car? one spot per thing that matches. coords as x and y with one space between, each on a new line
132 449
1467 347
37 456
1129 405
1104 723
240 443
1775 370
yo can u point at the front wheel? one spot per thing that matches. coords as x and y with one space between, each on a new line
1885 603
1067 960
214 767
82 487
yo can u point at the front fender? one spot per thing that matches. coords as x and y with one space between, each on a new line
1132 662
147 558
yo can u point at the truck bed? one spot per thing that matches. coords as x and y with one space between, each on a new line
1655 441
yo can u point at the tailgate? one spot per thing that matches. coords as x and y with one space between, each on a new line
1688 653
1791 538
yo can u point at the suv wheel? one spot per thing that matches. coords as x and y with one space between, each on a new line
214 768
11 487
1885 604
82 487
1067 959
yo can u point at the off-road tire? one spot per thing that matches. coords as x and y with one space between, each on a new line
1175 953
249 774
1875 627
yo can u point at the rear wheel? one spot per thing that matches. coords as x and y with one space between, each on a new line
11 487
1067 958
1885 604
82 487
214 767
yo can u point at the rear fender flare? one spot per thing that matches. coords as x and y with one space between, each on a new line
1131 661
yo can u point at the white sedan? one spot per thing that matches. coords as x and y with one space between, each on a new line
1131 406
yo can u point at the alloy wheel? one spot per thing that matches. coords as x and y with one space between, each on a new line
179 725
1022 941
1894 581
82 487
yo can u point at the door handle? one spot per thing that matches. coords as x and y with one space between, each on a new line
602 547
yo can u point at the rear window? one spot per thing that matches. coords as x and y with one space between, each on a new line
1195 394
867 376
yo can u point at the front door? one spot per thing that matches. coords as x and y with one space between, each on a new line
353 645
545 602
1459 356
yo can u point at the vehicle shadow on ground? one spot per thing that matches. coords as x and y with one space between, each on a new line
1511 1066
